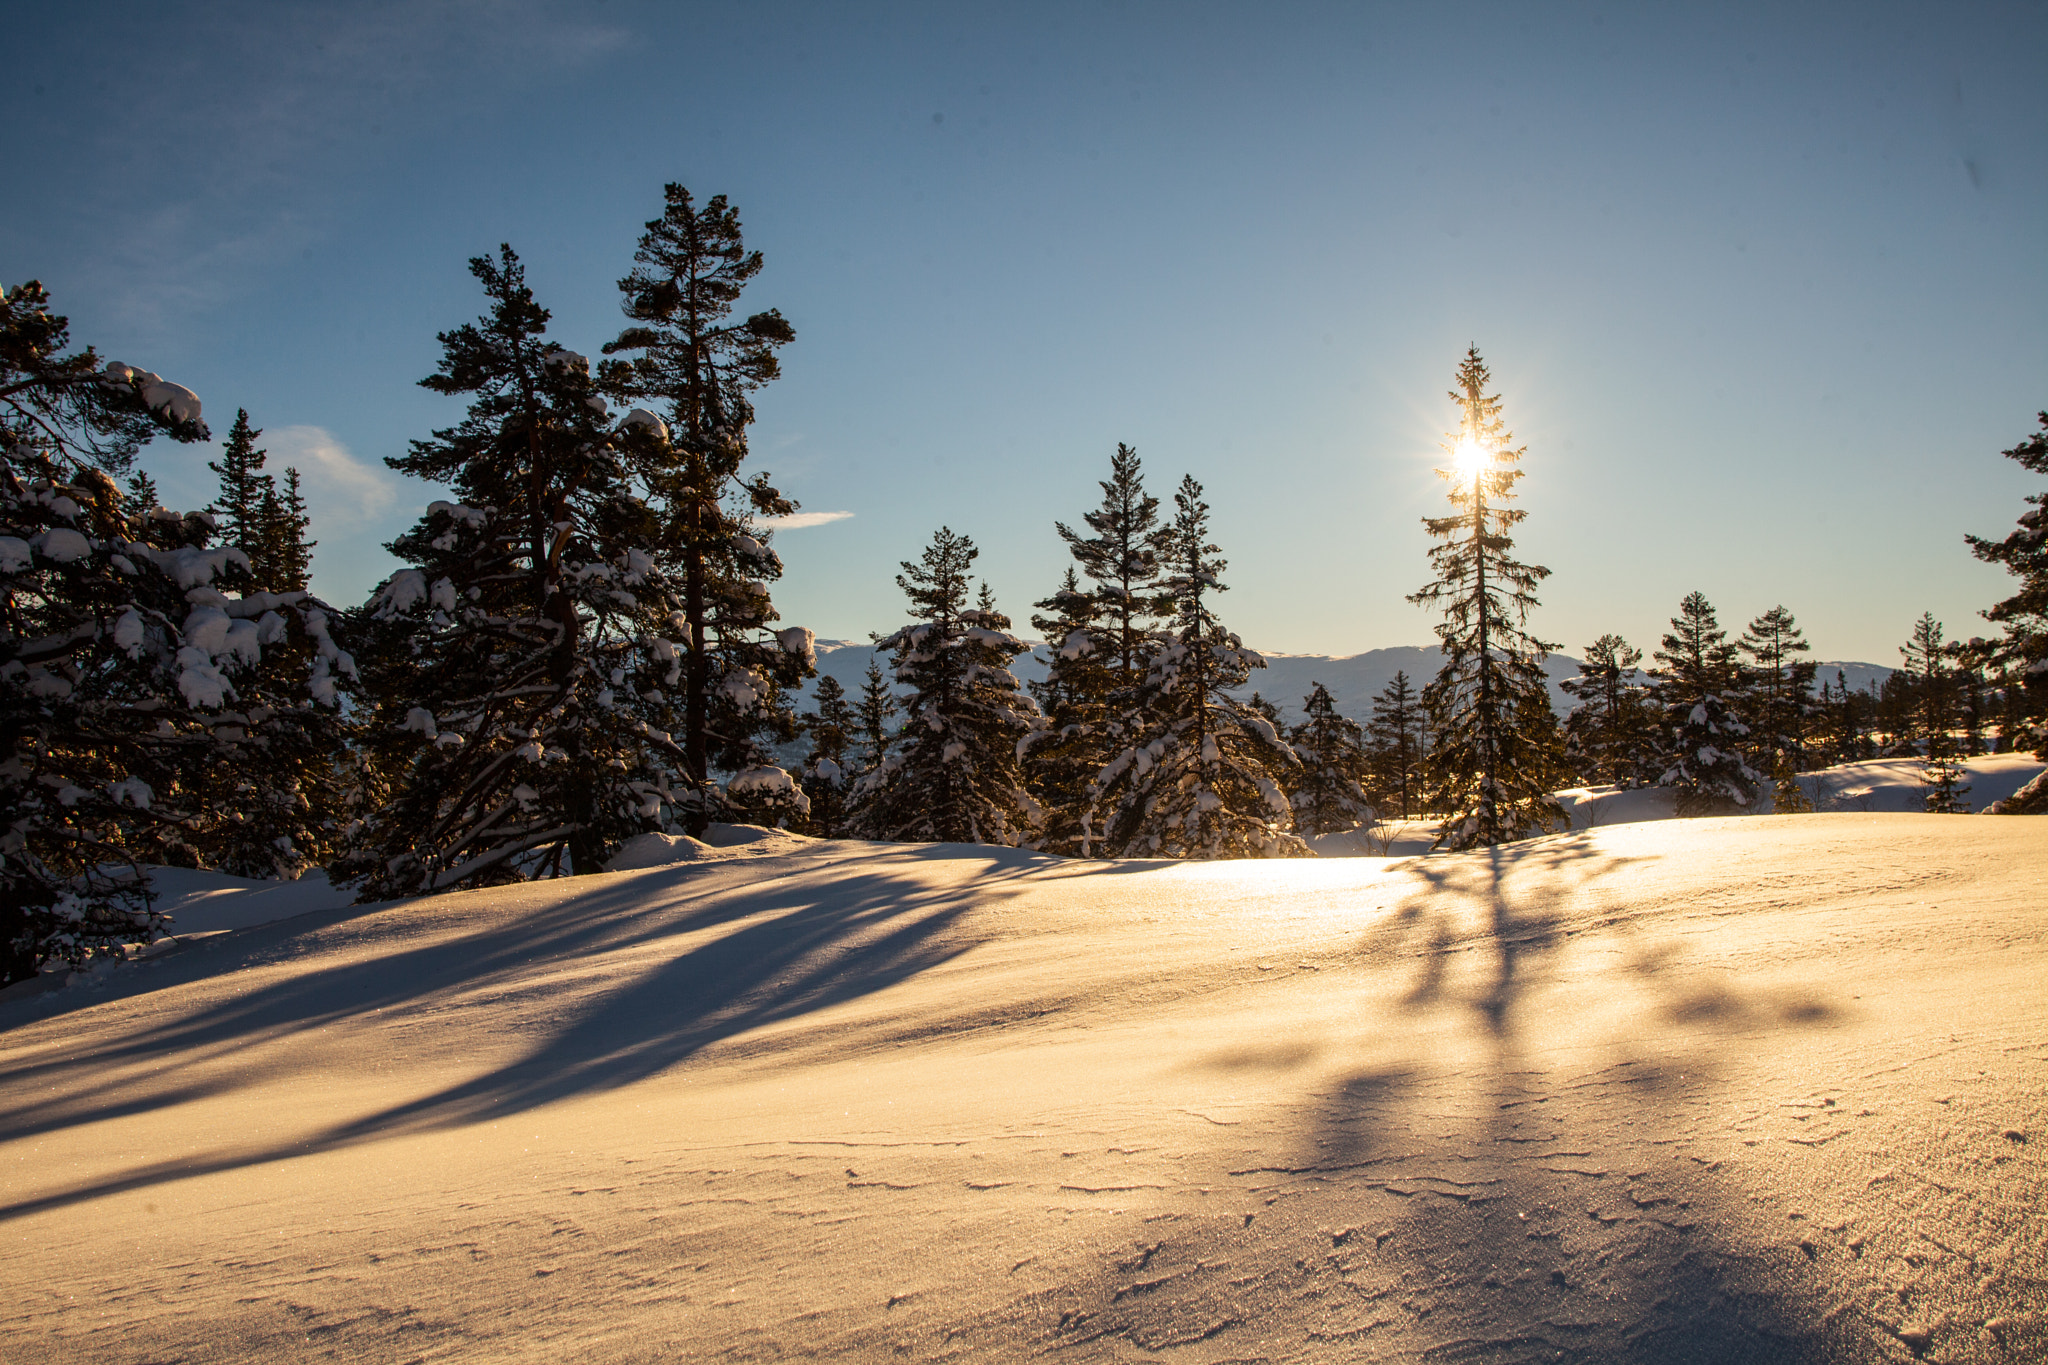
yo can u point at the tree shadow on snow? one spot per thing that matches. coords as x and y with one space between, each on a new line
750 950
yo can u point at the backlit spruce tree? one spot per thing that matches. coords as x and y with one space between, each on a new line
1397 749
154 705
698 364
2023 650
1703 736
1496 753
1610 735
1099 636
1195 778
524 668
1777 687
951 774
1930 664
1327 791
253 516
874 716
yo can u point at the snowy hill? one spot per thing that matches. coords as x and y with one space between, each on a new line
1353 679
1761 1090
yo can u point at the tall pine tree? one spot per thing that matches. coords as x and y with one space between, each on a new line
827 771
2024 615
952 774
1398 739
1195 778
691 357
1778 699
1703 735
1497 754
522 667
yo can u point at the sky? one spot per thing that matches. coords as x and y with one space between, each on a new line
1762 287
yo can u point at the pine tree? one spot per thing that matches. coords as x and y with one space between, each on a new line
1497 753
1122 563
1328 795
287 556
138 666
237 511
1704 735
1399 748
878 704
1778 698
2024 555
1196 776
826 775
1610 736
519 667
691 268
952 775
1929 665
1061 761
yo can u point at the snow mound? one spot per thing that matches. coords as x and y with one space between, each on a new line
656 849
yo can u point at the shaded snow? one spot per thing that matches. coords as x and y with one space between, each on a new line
1759 1089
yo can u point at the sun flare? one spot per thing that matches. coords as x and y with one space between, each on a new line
1469 457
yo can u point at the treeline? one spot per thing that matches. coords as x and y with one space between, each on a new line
582 647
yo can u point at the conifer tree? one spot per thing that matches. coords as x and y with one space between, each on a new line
1497 753
1399 747
1610 737
142 497
1327 791
1778 698
287 556
878 704
952 775
1703 734
2024 615
826 775
238 511
520 667
1196 776
1929 665
138 666
1122 563
690 356
1061 760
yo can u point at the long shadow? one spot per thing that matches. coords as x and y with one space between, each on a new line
804 942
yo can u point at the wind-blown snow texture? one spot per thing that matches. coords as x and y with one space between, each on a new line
1760 1089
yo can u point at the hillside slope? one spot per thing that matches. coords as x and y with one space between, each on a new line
1761 1090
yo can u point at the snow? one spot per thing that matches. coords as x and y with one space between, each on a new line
641 417
1752 1088
62 545
179 402
14 554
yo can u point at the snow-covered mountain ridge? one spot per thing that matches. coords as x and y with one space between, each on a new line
1353 679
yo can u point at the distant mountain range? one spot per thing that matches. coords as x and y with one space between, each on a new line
1354 680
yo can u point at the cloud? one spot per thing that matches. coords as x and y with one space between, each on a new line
796 521
341 490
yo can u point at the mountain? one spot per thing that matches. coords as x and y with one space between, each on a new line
1353 679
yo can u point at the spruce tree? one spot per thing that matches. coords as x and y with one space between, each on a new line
151 702
287 554
691 357
1704 736
1399 748
877 706
1327 791
2024 615
826 773
952 775
1929 665
1497 754
522 666
1122 563
1610 736
1778 699
238 511
1195 778
1061 761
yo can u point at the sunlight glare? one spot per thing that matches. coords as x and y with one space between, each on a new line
1470 457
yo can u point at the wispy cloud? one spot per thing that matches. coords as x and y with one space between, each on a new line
796 521
342 491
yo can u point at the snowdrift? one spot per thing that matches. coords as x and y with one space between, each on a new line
1765 1089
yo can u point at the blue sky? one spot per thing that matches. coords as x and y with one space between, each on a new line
1762 287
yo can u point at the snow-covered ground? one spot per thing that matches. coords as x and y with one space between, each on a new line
1763 1089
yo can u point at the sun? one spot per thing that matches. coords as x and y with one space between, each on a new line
1470 458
